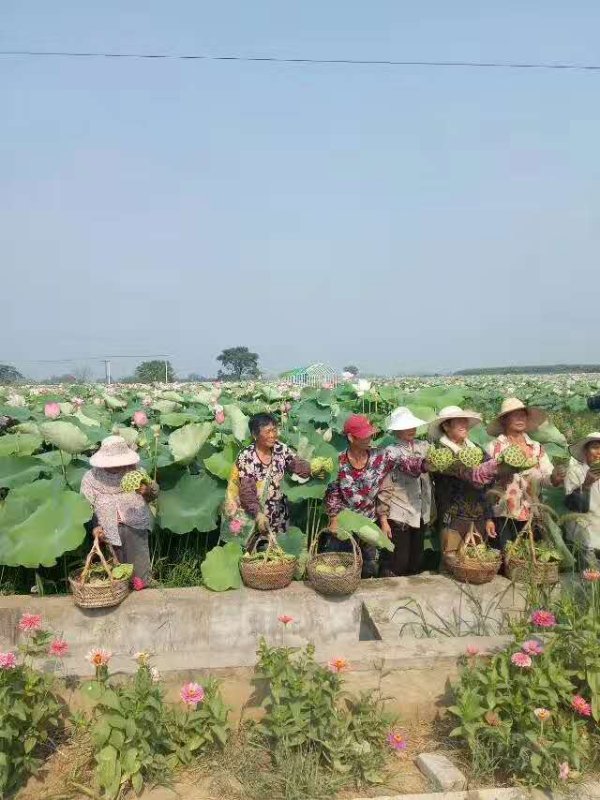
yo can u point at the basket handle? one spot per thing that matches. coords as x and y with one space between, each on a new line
97 551
271 542
312 550
471 539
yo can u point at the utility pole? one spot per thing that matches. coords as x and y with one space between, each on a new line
107 371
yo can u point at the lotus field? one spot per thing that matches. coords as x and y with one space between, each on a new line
188 436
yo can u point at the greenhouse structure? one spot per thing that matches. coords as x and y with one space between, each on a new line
314 375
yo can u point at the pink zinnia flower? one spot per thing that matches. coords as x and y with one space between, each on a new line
543 619
542 714
472 650
235 526
591 575
8 661
192 694
521 660
138 584
30 623
285 619
58 648
338 665
563 772
140 419
396 741
532 648
98 657
581 706
52 410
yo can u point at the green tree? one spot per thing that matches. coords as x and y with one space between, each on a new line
154 372
8 374
351 369
239 363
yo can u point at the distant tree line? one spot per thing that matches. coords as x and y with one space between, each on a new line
552 369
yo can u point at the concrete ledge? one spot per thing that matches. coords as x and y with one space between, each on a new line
575 792
441 772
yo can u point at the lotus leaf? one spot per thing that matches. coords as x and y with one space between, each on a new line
185 442
66 436
193 504
19 470
19 444
39 522
221 568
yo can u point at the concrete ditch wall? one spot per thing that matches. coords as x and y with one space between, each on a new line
193 633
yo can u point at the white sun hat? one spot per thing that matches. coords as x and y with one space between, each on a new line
402 419
535 416
114 452
452 412
578 449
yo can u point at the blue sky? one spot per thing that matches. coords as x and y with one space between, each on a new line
397 218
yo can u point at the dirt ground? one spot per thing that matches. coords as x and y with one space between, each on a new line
65 775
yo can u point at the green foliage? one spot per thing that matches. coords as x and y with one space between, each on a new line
239 363
350 522
154 372
138 739
193 504
221 568
30 715
497 702
306 712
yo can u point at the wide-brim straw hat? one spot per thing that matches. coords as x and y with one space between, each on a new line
535 416
402 419
452 412
577 449
114 452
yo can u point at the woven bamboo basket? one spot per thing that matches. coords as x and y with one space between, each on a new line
530 570
267 575
467 569
102 595
328 583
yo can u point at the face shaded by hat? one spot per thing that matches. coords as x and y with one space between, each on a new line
452 412
114 452
535 416
580 449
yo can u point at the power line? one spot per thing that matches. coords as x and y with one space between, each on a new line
333 61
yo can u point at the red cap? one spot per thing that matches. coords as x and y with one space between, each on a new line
359 427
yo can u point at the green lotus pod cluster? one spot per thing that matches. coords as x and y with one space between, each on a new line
321 466
471 456
327 569
132 480
440 458
516 459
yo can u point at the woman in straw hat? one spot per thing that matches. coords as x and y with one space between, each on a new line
121 518
404 501
513 509
582 488
460 495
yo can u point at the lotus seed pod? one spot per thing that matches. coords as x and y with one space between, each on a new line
471 456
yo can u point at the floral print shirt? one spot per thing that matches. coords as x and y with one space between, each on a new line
356 489
517 498
252 476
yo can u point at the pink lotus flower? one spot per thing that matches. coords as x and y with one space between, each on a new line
52 410
219 417
472 650
396 741
192 694
521 660
532 648
285 619
8 661
77 402
98 657
29 623
235 526
591 575
337 665
147 402
563 772
581 706
140 420
543 619
138 584
58 648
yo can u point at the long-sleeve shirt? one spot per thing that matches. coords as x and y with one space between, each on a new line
252 476
586 502
464 495
403 497
356 489
516 499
